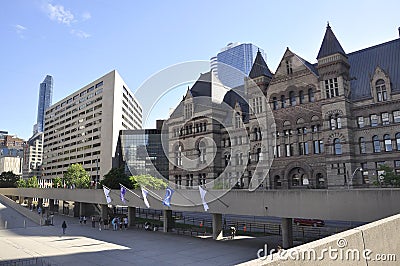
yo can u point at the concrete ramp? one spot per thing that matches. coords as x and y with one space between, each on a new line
376 243
33 216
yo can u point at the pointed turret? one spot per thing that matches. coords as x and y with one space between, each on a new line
259 67
330 45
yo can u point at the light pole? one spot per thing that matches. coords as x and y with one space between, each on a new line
352 176
97 172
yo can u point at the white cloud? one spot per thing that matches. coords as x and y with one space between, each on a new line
59 14
86 16
19 29
80 34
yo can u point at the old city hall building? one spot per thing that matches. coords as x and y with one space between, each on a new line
323 125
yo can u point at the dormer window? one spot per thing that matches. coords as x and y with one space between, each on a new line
188 110
289 69
381 93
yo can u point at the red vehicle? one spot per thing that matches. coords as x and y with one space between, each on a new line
308 222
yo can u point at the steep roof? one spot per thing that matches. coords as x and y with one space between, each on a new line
202 87
330 45
364 62
259 67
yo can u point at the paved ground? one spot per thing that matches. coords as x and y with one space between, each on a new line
84 245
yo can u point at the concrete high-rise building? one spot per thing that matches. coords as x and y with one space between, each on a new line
33 156
45 99
233 63
83 127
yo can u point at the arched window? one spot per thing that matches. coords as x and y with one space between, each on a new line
278 181
274 103
238 120
283 101
381 93
337 146
398 141
227 158
292 98
258 155
202 152
362 145
388 142
301 97
376 143
178 155
335 122
311 95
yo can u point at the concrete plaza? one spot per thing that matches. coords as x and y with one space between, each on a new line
84 245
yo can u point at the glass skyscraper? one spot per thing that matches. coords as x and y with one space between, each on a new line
141 152
45 99
234 62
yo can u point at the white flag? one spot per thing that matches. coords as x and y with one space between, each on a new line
144 194
202 195
107 193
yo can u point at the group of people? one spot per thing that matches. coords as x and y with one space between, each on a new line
118 222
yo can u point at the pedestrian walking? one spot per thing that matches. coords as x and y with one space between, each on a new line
93 222
84 219
64 227
100 223
106 221
81 219
125 222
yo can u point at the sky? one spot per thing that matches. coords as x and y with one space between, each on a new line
79 41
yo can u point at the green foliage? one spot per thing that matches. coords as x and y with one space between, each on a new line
76 175
218 185
390 178
115 177
57 182
32 182
8 179
21 183
148 181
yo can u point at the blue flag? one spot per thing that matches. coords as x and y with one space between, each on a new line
122 194
168 196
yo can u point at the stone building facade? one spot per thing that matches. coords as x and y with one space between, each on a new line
323 125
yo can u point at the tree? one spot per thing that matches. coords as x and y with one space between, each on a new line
115 177
148 181
389 177
57 182
21 183
8 179
32 182
76 176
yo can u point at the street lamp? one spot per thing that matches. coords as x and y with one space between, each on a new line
352 176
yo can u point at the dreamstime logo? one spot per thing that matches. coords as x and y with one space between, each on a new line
332 253
221 114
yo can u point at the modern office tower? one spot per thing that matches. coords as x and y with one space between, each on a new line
33 156
233 63
83 127
45 99
141 151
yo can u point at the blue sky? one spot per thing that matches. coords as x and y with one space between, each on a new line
78 41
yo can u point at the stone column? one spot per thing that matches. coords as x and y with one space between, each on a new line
61 207
40 203
167 219
51 205
81 209
104 211
217 226
287 233
131 216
